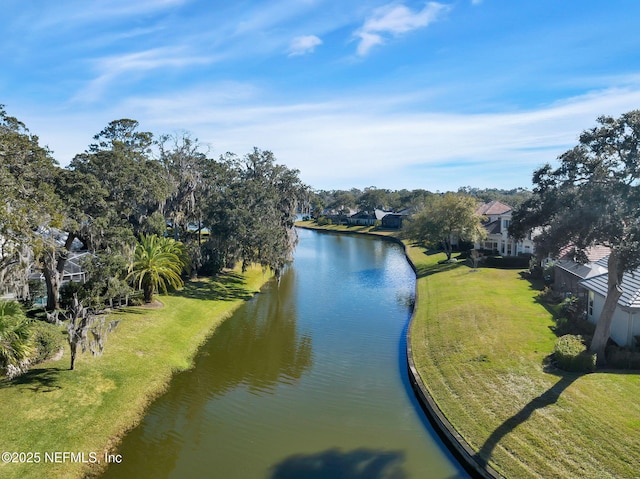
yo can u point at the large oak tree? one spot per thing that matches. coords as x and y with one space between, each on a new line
590 199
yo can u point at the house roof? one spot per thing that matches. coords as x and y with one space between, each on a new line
361 214
630 297
594 253
582 271
493 208
381 214
494 227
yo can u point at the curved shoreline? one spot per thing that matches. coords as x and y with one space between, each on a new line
447 432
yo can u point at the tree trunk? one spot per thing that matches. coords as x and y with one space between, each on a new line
52 280
603 328
53 268
448 248
147 293
74 348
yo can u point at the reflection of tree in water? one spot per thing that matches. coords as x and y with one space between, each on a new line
258 348
335 464
265 348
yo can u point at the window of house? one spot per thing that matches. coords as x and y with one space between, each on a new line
505 224
591 299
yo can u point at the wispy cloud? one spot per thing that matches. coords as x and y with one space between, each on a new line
353 141
393 20
111 68
69 15
358 141
303 45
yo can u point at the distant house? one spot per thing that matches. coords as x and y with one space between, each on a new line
338 216
568 272
625 326
498 241
394 220
364 218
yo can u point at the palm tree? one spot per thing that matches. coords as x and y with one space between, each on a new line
157 265
15 337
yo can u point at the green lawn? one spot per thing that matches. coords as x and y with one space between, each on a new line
480 341
52 409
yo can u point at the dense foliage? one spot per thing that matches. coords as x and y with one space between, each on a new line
592 199
157 265
335 201
201 214
444 220
16 344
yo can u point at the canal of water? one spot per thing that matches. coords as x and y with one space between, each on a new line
307 380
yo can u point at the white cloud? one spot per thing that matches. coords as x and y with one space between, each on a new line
109 69
303 45
354 141
368 41
393 20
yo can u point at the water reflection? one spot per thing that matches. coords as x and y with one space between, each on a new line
257 350
335 464
265 400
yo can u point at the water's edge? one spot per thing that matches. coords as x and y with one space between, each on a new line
462 451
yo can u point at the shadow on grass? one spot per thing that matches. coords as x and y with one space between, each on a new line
37 380
335 464
534 284
547 398
226 286
427 270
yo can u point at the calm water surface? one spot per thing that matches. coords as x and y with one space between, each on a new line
307 380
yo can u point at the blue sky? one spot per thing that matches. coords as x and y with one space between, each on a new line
353 93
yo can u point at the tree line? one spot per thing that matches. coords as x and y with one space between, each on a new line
372 198
127 190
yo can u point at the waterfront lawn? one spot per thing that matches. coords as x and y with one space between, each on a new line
52 409
481 343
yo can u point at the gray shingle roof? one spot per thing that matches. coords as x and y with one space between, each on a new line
581 270
630 288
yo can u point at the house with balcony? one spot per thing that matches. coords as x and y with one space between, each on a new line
497 220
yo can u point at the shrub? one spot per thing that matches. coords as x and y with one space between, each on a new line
48 340
622 358
580 327
569 306
516 262
571 354
549 296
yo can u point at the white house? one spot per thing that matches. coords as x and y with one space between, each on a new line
626 318
498 219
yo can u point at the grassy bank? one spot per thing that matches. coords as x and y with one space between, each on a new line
52 409
481 341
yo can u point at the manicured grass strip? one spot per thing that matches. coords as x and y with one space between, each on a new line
52 409
346 228
480 340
